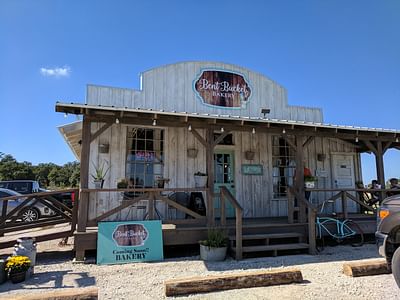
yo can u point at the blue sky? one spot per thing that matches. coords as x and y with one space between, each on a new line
342 56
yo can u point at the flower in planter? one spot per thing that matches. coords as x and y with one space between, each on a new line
310 179
17 264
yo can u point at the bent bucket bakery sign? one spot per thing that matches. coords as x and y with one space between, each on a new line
222 89
123 242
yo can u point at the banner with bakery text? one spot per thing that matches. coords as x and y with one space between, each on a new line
130 241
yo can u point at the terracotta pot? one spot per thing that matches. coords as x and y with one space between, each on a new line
17 277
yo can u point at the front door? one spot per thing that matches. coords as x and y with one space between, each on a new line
224 171
343 177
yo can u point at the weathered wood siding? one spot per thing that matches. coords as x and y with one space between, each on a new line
254 193
170 88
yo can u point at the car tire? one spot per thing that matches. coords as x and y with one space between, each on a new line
29 215
396 266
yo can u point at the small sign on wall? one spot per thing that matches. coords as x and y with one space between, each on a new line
252 169
132 241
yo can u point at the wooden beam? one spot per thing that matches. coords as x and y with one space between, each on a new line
199 137
61 294
309 140
386 146
370 146
366 268
240 280
100 131
85 156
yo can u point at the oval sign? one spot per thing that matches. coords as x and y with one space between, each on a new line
223 89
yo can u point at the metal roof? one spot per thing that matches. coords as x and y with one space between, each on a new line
63 107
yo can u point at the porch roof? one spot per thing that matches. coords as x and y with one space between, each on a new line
140 116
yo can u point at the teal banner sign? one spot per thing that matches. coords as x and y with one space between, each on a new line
130 241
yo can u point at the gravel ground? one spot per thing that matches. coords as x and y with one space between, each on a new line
323 278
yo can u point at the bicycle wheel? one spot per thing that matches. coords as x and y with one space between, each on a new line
353 233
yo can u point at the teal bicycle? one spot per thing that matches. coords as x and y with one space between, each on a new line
339 230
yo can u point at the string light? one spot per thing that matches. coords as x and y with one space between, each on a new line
154 122
283 131
190 128
397 140
65 115
222 129
116 121
356 139
253 131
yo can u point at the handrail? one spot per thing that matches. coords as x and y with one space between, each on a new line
194 189
224 192
312 213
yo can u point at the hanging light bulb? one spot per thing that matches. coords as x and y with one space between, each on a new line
154 122
397 140
65 115
253 131
190 128
283 131
356 139
222 129
116 121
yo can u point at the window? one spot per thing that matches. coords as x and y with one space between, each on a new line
283 166
145 156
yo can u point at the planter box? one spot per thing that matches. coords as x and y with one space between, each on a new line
212 254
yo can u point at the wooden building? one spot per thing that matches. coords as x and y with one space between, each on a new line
234 125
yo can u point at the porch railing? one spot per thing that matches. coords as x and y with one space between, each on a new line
226 194
13 208
148 195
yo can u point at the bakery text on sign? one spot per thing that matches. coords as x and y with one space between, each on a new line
223 89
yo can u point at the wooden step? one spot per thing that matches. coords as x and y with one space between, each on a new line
261 248
269 236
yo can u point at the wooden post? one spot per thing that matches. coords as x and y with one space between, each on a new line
222 205
290 206
85 156
210 173
344 204
3 216
311 231
150 207
380 168
239 250
299 186
75 211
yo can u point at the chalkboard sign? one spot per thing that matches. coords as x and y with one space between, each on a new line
252 169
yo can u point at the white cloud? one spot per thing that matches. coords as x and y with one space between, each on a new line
56 72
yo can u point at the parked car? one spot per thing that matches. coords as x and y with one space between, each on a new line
388 234
21 186
32 186
32 211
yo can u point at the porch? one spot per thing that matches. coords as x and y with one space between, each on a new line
268 235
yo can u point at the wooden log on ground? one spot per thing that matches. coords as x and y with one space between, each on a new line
206 284
366 268
90 293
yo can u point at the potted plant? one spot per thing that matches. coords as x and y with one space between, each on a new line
309 182
16 267
99 175
122 184
200 179
214 248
